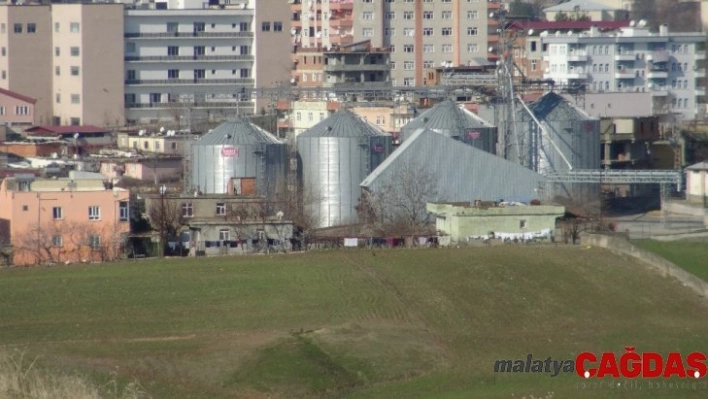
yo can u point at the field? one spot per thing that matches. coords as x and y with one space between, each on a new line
357 324
690 255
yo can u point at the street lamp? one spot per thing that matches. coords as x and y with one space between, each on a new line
162 190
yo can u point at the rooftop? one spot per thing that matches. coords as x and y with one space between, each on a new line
699 166
579 5
343 123
540 26
237 132
48 129
17 96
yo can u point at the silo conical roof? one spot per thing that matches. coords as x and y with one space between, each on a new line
554 107
446 116
238 132
343 123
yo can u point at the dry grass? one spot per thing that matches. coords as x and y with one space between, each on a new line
21 378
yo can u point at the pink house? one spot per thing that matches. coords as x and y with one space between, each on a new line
74 219
16 109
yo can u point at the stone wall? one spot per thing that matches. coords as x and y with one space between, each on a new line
622 246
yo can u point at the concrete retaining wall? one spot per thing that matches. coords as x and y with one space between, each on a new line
683 208
622 246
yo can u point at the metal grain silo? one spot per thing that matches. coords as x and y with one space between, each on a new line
452 120
238 157
555 137
336 155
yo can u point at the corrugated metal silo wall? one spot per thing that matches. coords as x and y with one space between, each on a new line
332 168
275 174
380 148
486 141
211 170
586 155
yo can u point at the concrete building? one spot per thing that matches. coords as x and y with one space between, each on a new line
357 65
82 139
323 23
73 219
16 109
463 222
68 57
423 34
587 9
157 169
697 183
220 224
153 143
186 60
670 66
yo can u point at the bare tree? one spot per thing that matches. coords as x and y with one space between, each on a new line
166 217
399 207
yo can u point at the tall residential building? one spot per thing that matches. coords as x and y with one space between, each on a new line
66 56
424 33
189 58
669 66
26 55
322 23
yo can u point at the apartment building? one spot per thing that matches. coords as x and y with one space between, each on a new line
190 59
74 219
68 57
424 33
16 109
669 66
322 23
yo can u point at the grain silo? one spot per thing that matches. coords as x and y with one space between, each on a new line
556 137
240 158
450 119
335 156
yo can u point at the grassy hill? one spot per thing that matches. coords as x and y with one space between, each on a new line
415 324
690 255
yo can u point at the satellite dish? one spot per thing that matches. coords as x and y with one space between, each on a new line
76 135
558 34
544 33
162 129
293 32
632 23
491 49
141 133
570 33
642 23
530 32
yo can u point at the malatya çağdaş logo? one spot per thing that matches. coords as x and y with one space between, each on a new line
630 364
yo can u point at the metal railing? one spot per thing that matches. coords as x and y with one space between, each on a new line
201 81
212 35
180 105
356 67
190 58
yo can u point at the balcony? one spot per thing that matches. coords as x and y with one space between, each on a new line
625 57
196 35
659 92
341 6
363 85
577 57
625 74
700 55
204 81
356 67
342 23
205 104
699 72
341 39
700 91
658 74
576 75
176 58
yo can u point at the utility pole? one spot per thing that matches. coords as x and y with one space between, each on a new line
163 190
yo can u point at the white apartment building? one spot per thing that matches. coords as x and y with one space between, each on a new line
669 66
422 34
194 59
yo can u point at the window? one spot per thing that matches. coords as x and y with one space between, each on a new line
18 28
57 213
408 48
57 241
522 224
367 32
391 15
393 66
74 71
245 73
75 51
220 208
31 28
75 99
123 211
447 48
129 48
187 210
199 73
94 212
277 26
472 31
428 15
390 32
75 121
4 75
534 65
172 27
407 14
56 27
173 74
427 31
224 235
74 27
428 48
265 26
198 27
408 65
172 50
428 64
408 32
447 31
21 110
472 48
57 98
309 116
94 242
472 15
408 82
367 15
447 15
